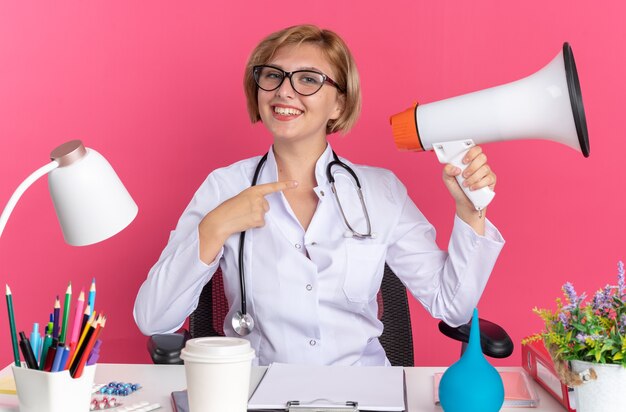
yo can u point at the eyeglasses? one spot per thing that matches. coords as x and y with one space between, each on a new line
304 82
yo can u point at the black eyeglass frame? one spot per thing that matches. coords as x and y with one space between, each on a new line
256 69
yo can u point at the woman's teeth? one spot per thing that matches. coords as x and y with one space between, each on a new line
287 111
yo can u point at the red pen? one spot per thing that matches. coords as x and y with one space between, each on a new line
47 366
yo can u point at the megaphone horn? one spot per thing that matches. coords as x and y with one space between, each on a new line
545 105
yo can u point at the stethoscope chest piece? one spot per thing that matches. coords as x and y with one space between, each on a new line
242 323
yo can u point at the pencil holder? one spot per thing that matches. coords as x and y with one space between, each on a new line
39 391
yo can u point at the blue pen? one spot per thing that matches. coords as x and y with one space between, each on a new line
36 340
65 358
58 356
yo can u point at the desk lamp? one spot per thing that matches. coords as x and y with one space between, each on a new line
90 201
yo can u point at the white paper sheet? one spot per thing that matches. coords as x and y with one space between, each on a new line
375 388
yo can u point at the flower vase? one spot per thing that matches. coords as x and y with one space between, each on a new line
604 394
471 384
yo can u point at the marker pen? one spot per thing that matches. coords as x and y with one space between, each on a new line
36 340
27 351
95 353
58 356
65 358
51 355
44 350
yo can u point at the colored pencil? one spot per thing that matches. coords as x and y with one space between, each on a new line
66 313
86 317
16 350
91 300
78 317
57 316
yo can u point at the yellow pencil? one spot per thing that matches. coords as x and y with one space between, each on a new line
82 336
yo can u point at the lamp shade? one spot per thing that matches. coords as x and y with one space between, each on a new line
90 200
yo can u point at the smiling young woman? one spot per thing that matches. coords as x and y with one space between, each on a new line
302 284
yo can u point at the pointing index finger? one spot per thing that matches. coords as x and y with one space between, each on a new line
267 188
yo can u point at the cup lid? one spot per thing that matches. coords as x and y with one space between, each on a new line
216 349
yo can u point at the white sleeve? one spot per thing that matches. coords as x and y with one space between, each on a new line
448 284
173 287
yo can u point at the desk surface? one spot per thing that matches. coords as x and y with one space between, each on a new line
158 381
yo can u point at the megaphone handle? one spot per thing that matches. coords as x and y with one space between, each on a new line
453 153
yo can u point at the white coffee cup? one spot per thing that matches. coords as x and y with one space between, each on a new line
218 373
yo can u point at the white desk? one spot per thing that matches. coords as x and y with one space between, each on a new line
158 381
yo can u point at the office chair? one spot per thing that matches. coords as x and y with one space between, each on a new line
393 311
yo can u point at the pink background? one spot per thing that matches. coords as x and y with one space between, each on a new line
156 87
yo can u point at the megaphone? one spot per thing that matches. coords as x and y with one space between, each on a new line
545 105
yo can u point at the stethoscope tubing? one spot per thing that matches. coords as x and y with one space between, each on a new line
242 322
242 240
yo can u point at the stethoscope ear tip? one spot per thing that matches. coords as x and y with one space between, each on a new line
348 234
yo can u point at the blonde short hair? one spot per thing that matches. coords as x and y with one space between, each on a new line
338 55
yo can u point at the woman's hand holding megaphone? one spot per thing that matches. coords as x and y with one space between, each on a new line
476 175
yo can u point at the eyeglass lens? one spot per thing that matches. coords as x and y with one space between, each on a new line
303 81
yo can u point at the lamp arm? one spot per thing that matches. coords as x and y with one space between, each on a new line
44 170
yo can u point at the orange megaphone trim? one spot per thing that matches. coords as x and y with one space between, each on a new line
404 130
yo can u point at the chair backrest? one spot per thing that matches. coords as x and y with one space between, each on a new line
393 311
208 318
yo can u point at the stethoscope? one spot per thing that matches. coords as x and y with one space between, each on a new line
242 321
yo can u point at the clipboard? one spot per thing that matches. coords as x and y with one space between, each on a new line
296 406
180 403
308 388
